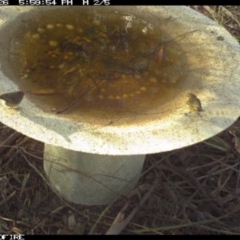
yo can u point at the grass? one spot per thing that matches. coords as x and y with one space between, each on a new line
195 190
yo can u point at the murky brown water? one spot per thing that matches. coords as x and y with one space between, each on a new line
88 62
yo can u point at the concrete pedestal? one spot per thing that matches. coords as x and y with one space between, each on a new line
91 179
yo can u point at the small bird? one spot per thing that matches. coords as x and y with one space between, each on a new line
12 99
194 103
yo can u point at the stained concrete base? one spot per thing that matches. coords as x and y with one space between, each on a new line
91 179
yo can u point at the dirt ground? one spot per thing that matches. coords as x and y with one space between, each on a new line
195 190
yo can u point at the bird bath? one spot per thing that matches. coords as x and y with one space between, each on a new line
96 142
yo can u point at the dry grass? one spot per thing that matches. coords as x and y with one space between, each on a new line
196 190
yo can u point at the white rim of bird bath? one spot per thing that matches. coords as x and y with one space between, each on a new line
217 87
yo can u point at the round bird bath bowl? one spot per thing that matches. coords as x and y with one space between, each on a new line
93 157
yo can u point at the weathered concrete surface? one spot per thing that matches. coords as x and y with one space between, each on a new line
213 56
213 75
91 179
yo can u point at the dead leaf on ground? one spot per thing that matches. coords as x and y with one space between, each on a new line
75 227
120 223
236 140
